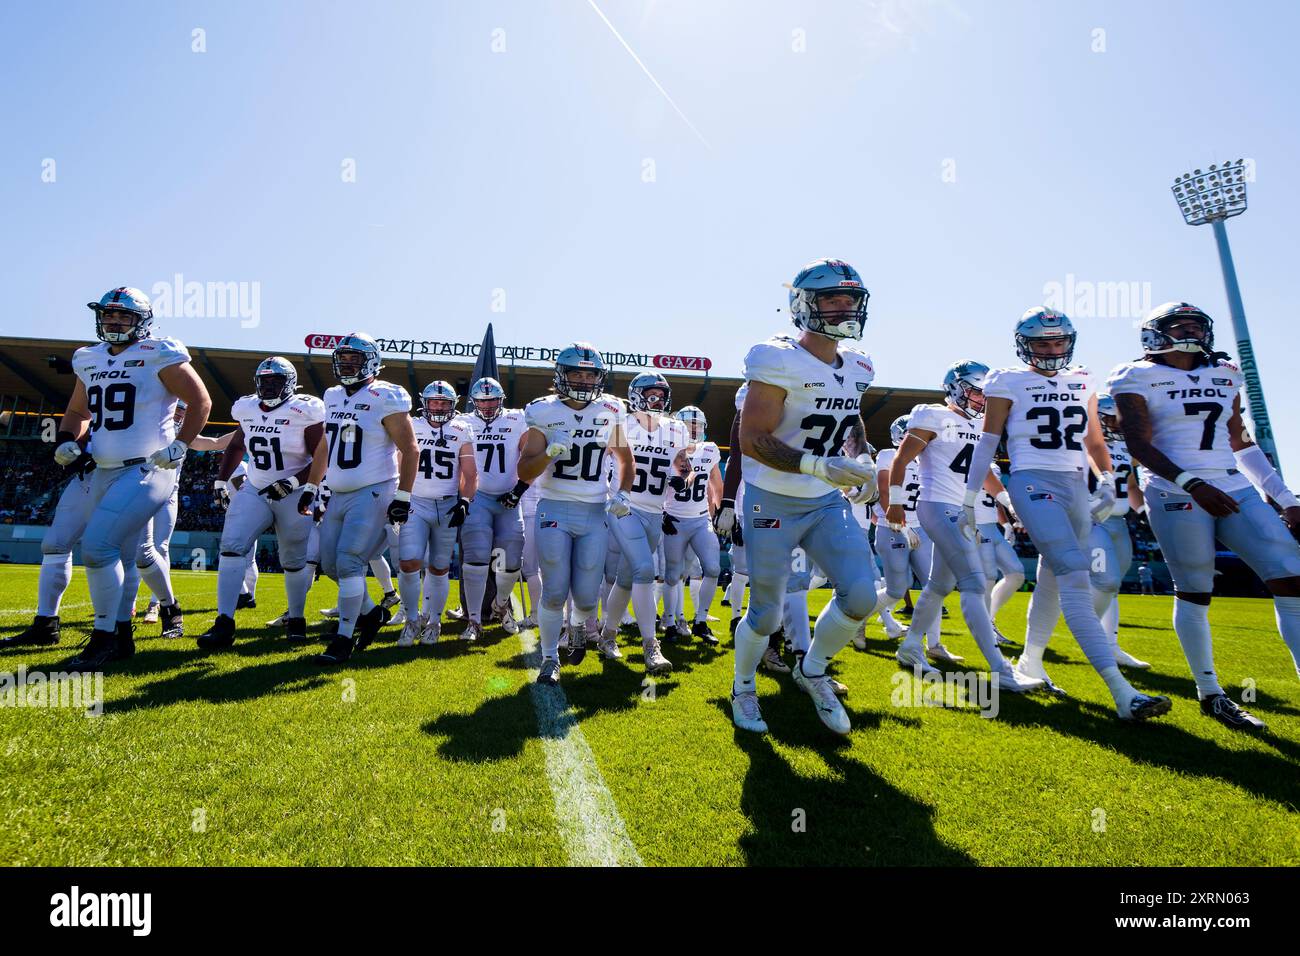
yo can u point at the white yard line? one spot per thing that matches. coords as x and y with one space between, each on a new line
590 826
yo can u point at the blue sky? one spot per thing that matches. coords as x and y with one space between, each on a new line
964 156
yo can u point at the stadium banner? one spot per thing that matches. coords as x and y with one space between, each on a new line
518 353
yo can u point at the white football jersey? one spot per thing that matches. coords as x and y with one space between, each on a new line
496 446
653 452
361 452
276 440
1189 414
693 500
131 411
945 461
438 474
911 484
1048 418
986 506
822 404
1123 467
740 488
579 475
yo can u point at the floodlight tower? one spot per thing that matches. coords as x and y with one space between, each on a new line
1215 196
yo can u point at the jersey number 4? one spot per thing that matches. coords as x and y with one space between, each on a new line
1050 434
112 408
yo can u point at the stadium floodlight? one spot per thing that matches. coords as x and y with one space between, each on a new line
1214 196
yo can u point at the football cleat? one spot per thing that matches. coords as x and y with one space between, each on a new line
504 614
677 633
860 637
1229 713
220 635
43 631
1001 639
410 633
339 650
173 620
125 635
577 645
608 648
735 622
912 657
941 653
745 713
295 628
368 626
1012 681
1144 707
473 631
245 600
330 612
822 690
772 662
398 618
281 621
1124 659
390 600
151 613
549 674
456 613
1032 672
529 623
893 630
655 662
701 630
431 632
96 651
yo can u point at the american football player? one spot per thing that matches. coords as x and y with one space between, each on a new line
689 511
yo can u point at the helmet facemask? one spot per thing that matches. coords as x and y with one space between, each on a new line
439 411
566 388
350 366
1043 360
1160 335
273 388
837 323
137 325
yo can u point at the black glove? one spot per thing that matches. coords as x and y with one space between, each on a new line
669 524
677 483
398 511
279 490
511 498
220 495
456 517
737 535
83 466
307 502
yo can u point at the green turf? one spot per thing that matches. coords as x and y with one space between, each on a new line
432 755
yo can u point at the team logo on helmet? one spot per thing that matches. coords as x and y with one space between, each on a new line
898 430
488 398
580 357
123 304
820 280
964 383
275 381
641 393
438 401
356 359
1042 325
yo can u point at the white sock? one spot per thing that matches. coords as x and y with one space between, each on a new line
1192 625
438 590
749 651
55 576
834 629
981 628
408 585
736 592
473 578
679 601
795 620
250 576
1003 590
105 593
382 572
925 619
1044 611
352 591
159 581
549 624
130 586
505 585
296 585
230 575
1080 615
426 589
1110 617
705 594
617 607
643 607
670 603
694 587
534 582
1287 612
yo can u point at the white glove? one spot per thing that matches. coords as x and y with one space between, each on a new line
1004 499
619 505
1103 501
840 471
67 453
910 537
558 444
859 494
725 520
171 456
967 523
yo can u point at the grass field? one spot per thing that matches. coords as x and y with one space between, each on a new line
450 755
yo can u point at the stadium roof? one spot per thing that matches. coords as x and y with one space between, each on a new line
36 379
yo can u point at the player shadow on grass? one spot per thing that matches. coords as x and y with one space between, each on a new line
854 817
496 730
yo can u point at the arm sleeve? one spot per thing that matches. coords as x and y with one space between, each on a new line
980 461
1254 464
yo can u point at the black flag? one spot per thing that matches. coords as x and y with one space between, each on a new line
485 366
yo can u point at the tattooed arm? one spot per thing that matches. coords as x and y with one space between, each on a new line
1135 420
